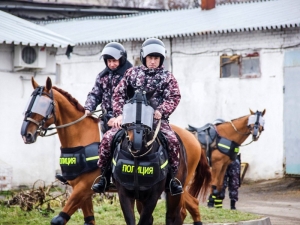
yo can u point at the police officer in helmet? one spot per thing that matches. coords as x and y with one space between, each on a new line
115 59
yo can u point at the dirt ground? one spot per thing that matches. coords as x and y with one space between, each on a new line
278 199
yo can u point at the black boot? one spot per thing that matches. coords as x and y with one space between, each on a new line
175 187
232 205
100 186
61 179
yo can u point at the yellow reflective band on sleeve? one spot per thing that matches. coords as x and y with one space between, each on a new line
164 165
236 150
92 158
114 162
224 146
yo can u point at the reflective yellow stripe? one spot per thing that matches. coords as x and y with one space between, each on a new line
224 146
218 206
92 158
236 150
164 165
213 196
114 162
218 201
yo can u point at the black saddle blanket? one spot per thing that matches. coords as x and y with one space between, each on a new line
78 160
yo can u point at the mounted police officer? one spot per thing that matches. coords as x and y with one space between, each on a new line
149 76
115 59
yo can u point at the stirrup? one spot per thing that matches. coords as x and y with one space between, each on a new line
61 179
178 192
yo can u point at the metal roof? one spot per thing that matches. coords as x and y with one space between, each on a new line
18 31
233 17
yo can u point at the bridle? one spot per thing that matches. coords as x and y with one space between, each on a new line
47 111
47 114
138 119
259 121
148 145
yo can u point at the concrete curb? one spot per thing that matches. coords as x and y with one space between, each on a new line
262 221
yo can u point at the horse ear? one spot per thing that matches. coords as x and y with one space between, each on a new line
130 91
150 94
251 112
263 113
48 84
34 83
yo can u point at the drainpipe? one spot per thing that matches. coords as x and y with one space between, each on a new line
208 4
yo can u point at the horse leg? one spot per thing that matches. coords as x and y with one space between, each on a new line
80 193
127 205
139 207
148 206
219 165
192 205
88 212
174 209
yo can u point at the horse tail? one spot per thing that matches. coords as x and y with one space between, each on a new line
202 178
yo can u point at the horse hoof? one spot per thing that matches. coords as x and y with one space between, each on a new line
198 223
58 220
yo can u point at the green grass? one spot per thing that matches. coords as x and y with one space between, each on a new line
109 213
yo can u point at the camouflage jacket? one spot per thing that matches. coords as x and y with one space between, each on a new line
166 97
105 83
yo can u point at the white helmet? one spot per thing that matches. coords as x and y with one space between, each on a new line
154 47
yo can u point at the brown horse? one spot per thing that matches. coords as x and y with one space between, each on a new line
222 140
51 105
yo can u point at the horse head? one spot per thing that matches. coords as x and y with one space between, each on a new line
39 112
138 119
256 123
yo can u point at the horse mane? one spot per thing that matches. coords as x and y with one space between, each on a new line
71 99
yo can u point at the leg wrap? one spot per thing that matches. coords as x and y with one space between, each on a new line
198 223
211 201
218 203
60 219
88 219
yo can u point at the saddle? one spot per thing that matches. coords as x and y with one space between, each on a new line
210 140
151 168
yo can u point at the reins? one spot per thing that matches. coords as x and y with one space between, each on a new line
242 134
148 143
68 124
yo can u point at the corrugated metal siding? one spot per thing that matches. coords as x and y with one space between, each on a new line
19 31
188 22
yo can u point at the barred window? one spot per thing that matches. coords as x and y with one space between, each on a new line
240 66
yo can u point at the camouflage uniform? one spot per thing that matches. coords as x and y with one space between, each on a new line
166 98
102 92
232 180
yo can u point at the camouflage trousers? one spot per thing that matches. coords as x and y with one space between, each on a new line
173 146
232 180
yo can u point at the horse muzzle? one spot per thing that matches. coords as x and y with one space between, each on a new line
28 137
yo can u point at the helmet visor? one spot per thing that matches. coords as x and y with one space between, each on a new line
116 53
153 48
